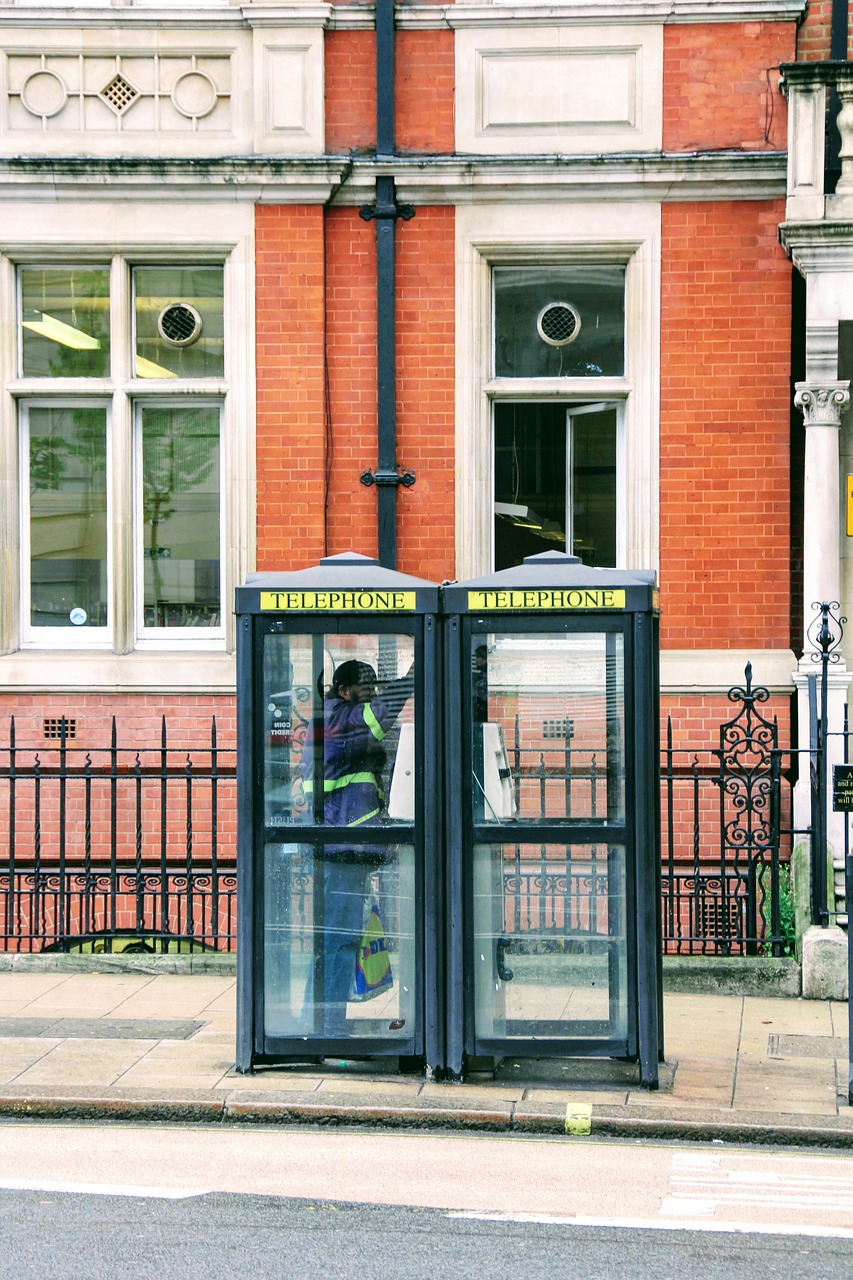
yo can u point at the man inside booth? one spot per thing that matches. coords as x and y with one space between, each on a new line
355 721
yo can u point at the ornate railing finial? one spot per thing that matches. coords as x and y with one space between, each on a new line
826 631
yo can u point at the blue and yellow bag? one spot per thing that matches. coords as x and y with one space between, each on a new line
373 973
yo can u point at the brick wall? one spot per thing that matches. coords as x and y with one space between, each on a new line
426 392
138 718
813 38
291 443
725 396
425 85
86 803
425 387
720 85
351 303
424 91
350 93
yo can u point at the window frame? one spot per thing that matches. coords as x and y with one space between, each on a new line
171 637
70 232
84 379
33 637
189 265
124 394
569 233
571 409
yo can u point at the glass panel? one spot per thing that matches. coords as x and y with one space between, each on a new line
65 322
359 740
549 727
68 517
339 943
550 951
530 481
179 322
559 322
339 723
180 516
593 449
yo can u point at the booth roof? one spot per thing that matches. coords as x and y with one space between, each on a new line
348 572
556 569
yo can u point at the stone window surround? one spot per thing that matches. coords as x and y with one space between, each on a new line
68 233
489 235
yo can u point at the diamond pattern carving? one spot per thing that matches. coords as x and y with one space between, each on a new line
170 93
119 94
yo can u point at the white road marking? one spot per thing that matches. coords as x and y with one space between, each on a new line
98 1189
655 1224
714 1181
684 1207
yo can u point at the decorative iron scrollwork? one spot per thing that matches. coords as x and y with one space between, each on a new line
749 782
826 631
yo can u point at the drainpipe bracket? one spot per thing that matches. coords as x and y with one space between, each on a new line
390 478
386 209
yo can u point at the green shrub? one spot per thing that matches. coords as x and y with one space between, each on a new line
787 927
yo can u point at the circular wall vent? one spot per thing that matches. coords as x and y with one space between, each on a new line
558 324
179 324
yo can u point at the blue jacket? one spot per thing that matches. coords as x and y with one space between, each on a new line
353 759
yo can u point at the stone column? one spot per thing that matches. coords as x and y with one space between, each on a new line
822 403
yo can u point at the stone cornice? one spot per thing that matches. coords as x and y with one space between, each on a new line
122 18
592 12
809 74
421 179
589 12
818 246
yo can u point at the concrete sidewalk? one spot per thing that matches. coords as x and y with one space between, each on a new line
143 1046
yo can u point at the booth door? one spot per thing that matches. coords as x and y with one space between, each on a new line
549 879
339 911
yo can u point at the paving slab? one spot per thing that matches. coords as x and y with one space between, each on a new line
737 1069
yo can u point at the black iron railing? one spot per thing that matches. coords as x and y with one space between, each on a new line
116 848
134 847
725 829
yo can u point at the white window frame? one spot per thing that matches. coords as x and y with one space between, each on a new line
70 636
97 230
535 233
574 411
124 532
171 637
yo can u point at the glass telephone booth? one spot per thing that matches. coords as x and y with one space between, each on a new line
552 775
337 822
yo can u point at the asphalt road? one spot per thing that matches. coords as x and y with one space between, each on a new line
56 1235
109 1202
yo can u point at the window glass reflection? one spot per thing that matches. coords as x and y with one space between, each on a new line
180 516
550 946
339 751
65 322
68 516
179 322
549 723
559 321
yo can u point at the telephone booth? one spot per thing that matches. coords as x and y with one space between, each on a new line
337 825
552 775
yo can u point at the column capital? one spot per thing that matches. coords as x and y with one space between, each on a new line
822 403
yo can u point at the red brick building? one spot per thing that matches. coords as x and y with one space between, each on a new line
618 167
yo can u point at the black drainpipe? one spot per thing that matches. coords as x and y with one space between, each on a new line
386 211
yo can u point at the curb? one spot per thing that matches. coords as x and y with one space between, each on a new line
204 1106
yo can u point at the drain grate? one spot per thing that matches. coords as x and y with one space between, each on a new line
806 1046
